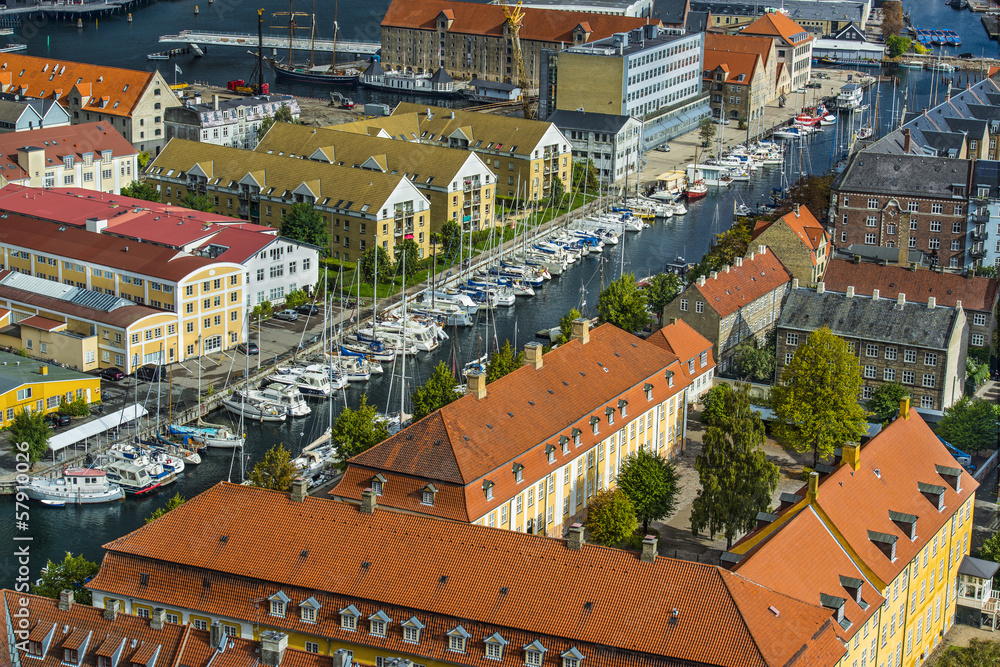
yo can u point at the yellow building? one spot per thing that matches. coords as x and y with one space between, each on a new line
40 387
361 206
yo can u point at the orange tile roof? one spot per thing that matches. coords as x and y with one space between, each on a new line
42 77
43 323
740 43
979 293
59 143
540 25
681 339
776 24
804 224
739 285
616 609
734 64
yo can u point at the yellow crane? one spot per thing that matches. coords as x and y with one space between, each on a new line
515 17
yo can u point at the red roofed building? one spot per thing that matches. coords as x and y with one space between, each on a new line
799 240
694 352
528 451
737 303
741 74
793 43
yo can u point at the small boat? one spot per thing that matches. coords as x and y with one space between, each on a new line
828 119
53 503
864 132
157 56
940 67
77 486
789 133
910 64
309 383
133 478
249 404
288 398
697 190
218 437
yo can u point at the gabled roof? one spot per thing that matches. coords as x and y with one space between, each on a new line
803 223
906 175
740 43
681 339
490 580
740 68
737 286
776 24
43 323
585 120
59 143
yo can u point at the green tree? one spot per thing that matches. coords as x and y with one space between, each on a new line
176 501
358 430
409 249
971 425
706 131
755 360
140 190
651 482
991 549
897 45
979 653
375 259
661 290
610 517
585 176
885 401
737 479
557 192
714 405
282 115
503 362
144 159
198 202
450 238
71 574
438 392
274 471
304 223
566 326
30 428
812 192
622 304
816 401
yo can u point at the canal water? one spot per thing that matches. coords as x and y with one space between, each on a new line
82 530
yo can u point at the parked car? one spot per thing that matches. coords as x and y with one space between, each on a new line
113 374
57 419
663 149
150 373
248 348
721 121
288 315
307 309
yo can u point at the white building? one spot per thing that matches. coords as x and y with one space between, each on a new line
226 122
612 142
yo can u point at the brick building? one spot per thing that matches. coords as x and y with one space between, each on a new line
904 201
799 241
741 72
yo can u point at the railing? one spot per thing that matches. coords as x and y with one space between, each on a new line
255 196
979 253
980 235
244 210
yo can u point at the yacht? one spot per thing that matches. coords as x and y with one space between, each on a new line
250 404
440 297
308 382
218 437
132 478
77 486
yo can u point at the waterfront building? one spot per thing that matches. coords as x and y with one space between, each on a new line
904 201
636 8
693 350
743 74
91 156
274 265
133 102
458 184
984 215
977 294
650 73
399 589
226 122
793 43
929 358
612 142
799 241
528 451
472 40
822 19
739 302
18 114
39 386
361 207
878 538
201 299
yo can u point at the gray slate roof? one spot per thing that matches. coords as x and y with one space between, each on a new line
907 175
809 10
861 317
16 371
873 253
581 120
976 567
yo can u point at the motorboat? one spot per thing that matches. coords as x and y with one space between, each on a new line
789 133
697 190
310 383
133 478
248 403
352 368
449 296
286 397
447 314
371 349
312 461
77 486
217 437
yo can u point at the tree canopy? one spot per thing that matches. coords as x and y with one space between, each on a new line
375 259
275 471
175 501
71 574
755 360
449 239
437 392
661 290
979 653
358 430
304 223
566 326
141 190
610 517
816 400
892 18
197 202
503 362
737 479
622 304
812 192
971 425
713 405
411 251
282 115
706 131
651 482
30 427
885 401
897 45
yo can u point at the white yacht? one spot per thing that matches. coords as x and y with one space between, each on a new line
287 398
248 403
308 382
77 486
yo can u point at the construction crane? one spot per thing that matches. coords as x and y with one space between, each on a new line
515 16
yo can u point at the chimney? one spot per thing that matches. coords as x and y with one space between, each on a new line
215 102
701 281
368 501
958 305
796 210
931 303
904 407
649 551
111 609
272 647
715 274
850 291
762 249
813 491
795 283
574 540
906 140
581 330
851 454
533 355
65 600
739 261
215 634
875 294
43 370
752 255
476 384
820 287
300 488
158 618
900 300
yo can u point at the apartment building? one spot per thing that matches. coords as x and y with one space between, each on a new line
822 19
904 201
929 358
39 387
890 521
133 102
201 299
649 73
741 72
18 114
977 294
793 44
418 590
361 207
694 352
232 121
799 240
984 215
528 451
613 143
91 156
458 184
734 304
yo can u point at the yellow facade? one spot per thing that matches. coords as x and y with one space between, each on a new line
41 388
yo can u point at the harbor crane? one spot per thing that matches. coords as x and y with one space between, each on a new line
515 18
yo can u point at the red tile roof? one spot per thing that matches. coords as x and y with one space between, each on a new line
241 244
540 25
979 293
680 339
740 43
739 285
734 64
61 142
804 224
775 24
42 323
603 600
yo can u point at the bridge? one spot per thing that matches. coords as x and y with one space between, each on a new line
208 38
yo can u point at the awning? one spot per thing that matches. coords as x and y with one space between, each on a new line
106 423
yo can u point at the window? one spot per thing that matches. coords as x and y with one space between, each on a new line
494 647
930 359
908 377
873 203
70 656
890 353
312 647
935 225
309 614
871 221
456 640
532 658
871 350
699 306
870 239
788 358
910 356
684 304
349 618
937 208
277 608
927 402
792 338
889 374
929 380
871 372
979 319
978 340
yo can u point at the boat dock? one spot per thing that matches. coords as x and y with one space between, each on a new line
990 22
978 6
320 45
60 11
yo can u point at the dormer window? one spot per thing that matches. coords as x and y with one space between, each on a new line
550 453
494 646
951 475
308 609
670 375
35 649
934 493
518 472
457 639
488 489
411 630
70 656
428 494
564 443
279 602
534 653
885 542
906 523
837 604
349 618
623 407
595 424
377 623
609 412
572 657
648 388
378 483
576 437
103 661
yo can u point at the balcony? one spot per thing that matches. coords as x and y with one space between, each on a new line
978 253
244 210
400 230
980 235
467 203
243 195
979 219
